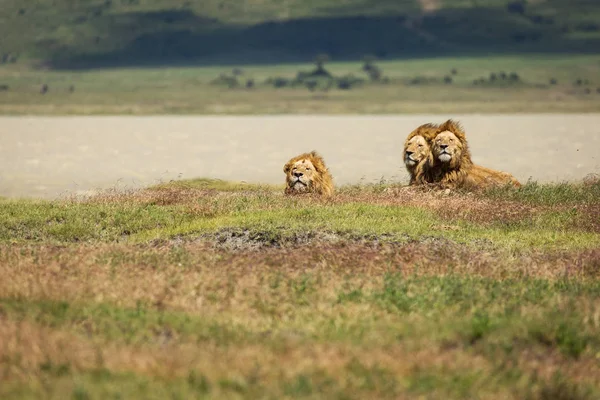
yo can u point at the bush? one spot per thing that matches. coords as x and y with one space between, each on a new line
249 83
348 82
226 80
553 81
514 77
281 82
454 71
447 79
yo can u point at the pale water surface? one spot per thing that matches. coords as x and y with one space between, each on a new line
51 156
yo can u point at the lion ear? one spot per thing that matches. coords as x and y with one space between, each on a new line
317 161
286 168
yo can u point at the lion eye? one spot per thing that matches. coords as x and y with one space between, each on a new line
420 145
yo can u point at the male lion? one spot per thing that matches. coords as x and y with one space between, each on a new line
453 166
418 159
307 173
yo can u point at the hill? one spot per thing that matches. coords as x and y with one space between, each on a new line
100 33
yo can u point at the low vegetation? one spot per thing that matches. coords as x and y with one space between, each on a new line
501 84
226 290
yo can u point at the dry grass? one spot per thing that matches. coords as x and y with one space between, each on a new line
378 292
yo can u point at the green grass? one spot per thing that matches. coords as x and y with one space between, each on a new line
183 210
213 289
187 90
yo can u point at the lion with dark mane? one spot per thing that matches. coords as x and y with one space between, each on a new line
452 165
307 173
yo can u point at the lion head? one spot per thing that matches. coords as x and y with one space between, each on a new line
452 158
307 173
418 159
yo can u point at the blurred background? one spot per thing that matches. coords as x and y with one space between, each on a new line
298 56
415 61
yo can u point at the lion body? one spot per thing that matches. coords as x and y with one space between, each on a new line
307 173
451 165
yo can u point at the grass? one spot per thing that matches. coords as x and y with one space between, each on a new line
219 290
187 90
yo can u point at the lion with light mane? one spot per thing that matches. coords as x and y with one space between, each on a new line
453 166
307 173
418 157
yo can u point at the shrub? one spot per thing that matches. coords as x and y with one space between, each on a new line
226 80
447 79
375 73
514 77
454 71
348 82
553 81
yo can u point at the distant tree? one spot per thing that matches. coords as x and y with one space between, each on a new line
320 61
374 72
514 77
454 71
368 62
447 79
311 85
493 77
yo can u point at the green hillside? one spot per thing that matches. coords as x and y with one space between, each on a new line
92 33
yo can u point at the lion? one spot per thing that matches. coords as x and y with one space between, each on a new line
453 167
307 173
418 160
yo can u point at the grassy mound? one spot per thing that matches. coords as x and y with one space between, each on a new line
215 289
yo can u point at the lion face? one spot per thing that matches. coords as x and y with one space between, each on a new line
447 147
301 176
307 173
416 150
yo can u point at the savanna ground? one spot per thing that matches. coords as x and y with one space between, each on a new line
410 86
222 290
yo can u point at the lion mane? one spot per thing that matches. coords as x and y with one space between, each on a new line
418 157
452 164
307 173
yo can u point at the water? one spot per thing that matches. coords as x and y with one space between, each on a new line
50 156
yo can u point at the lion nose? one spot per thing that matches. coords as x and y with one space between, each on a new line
409 153
298 174
443 146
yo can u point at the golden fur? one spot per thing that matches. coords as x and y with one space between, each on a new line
482 177
452 165
418 159
307 173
